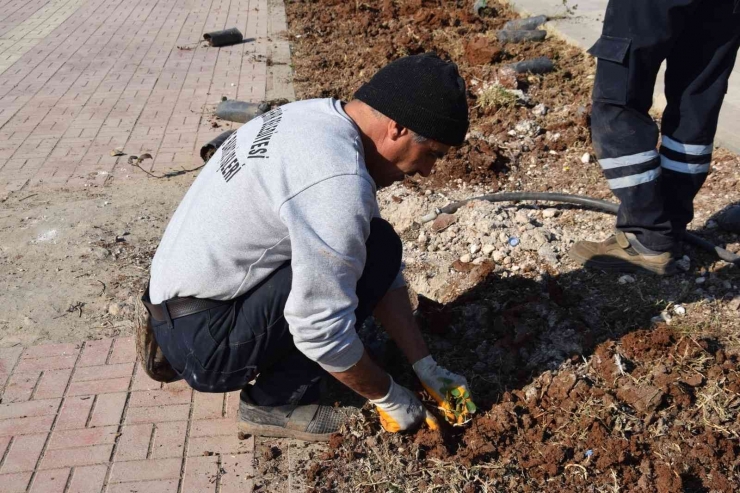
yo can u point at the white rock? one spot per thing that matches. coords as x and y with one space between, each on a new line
700 280
530 392
488 249
100 252
115 309
684 263
498 256
548 254
586 158
478 261
423 239
539 110
508 261
521 218
474 248
533 239
679 310
550 213
466 258
626 279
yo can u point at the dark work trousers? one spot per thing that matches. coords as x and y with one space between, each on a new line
224 348
699 40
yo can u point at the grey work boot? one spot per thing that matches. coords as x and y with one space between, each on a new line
310 422
622 253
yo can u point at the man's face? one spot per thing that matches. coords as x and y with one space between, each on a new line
403 156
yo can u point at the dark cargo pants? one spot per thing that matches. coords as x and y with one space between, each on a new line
224 348
699 41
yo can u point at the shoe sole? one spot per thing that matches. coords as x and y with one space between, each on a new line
661 270
279 432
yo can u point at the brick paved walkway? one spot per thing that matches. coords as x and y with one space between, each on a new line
79 78
85 418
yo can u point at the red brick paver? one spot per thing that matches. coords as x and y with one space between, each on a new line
79 78
99 426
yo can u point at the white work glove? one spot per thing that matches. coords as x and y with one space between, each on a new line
448 389
401 410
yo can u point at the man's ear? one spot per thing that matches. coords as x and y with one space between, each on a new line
396 131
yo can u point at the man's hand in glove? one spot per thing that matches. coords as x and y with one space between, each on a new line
448 389
401 410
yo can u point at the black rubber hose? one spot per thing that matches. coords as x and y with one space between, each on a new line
565 198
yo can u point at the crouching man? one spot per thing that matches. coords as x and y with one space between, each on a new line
278 252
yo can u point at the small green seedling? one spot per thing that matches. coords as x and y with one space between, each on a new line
458 406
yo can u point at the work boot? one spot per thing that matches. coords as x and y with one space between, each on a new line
309 422
622 253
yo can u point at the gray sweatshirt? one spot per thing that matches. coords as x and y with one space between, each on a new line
290 185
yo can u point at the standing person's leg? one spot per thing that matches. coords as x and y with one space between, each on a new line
637 37
696 82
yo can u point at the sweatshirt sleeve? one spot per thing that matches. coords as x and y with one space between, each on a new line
328 224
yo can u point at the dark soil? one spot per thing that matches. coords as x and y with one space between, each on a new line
577 389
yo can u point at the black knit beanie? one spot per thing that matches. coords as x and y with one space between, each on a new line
422 93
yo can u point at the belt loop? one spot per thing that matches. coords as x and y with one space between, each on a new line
167 317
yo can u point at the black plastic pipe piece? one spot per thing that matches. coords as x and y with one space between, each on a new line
539 65
224 38
239 111
597 204
526 24
521 36
208 150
